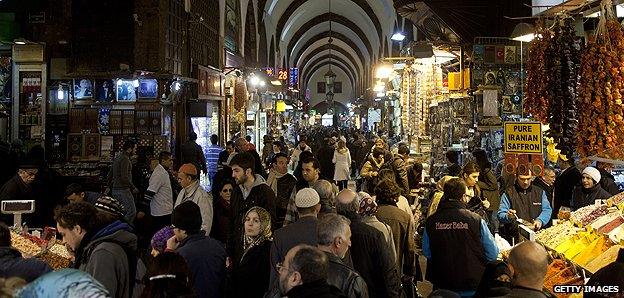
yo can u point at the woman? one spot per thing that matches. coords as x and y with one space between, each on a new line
402 202
251 274
496 280
342 160
438 194
368 209
159 240
590 189
371 169
168 275
222 213
477 203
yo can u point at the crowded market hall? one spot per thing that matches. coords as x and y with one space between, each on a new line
311 148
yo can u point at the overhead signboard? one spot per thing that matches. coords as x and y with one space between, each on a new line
523 137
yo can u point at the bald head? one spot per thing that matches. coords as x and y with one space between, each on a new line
346 202
529 261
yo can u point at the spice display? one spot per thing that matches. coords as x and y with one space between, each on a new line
55 261
538 78
604 259
60 250
598 212
617 234
606 229
24 245
582 212
556 235
559 272
596 248
600 222
601 87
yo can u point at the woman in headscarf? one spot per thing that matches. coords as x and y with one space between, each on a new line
251 274
368 211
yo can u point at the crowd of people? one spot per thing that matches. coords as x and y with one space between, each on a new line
290 222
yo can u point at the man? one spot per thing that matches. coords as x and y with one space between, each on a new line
294 158
547 181
188 177
276 148
327 192
523 203
212 157
191 152
12 264
326 156
158 199
252 191
242 146
334 239
120 180
304 274
283 185
607 181
568 179
310 169
370 253
303 231
20 188
226 155
528 263
76 193
457 243
205 256
399 165
106 249
589 191
453 169
250 146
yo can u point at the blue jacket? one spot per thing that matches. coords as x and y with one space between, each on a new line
205 257
12 264
530 204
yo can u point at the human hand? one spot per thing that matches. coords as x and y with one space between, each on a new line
486 204
511 213
172 243
537 224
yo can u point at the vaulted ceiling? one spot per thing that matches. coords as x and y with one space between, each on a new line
361 30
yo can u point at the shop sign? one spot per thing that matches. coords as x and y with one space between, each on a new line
282 74
280 106
523 137
294 77
270 72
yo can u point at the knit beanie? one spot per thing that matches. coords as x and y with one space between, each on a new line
159 240
187 217
593 173
110 205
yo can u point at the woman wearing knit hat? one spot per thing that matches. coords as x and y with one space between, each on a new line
589 191
253 270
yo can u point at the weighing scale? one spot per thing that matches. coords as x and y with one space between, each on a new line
17 208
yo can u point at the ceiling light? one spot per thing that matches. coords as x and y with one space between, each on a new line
523 32
60 94
254 80
276 83
399 36
384 71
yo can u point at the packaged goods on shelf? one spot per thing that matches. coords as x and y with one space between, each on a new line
556 234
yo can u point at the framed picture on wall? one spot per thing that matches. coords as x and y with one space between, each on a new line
105 90
126 91
83 89
148 89
320 87
337 87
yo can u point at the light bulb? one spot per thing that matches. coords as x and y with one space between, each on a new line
59 93
135 83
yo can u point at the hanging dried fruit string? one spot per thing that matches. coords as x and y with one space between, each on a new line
537 101
601 124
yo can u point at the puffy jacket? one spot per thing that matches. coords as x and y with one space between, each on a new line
344 278
13 265
400 172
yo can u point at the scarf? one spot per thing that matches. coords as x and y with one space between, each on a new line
368 207
265 230
272 179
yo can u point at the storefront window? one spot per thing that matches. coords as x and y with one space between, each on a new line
204 127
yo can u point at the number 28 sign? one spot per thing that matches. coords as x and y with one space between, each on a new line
282 74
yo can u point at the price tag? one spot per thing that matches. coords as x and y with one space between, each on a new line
597 203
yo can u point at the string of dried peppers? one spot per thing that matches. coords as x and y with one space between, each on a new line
601 124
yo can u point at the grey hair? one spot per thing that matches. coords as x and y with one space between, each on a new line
324 189
331 226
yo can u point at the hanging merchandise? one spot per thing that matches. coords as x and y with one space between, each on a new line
536 96
601 123
563 65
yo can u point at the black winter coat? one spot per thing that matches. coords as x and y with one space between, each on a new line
564 187
315 289
250 277
13 265
206 259
372 259
346 279
607 182
587 196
